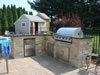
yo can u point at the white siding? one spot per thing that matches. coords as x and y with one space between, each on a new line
41 26
19 29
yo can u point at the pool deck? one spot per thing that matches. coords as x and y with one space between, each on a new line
40 65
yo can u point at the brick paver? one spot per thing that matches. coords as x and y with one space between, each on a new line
39 65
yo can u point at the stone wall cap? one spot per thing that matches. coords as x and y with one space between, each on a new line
83 38
26 35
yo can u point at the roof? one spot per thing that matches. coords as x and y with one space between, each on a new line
34 18
43 15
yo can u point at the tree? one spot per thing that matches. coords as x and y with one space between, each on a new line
48 7
24 11
0 21
4 9
19 11
10 19
8 15
86 9
90 9
30 13
72 20
15 14
4 21
52 8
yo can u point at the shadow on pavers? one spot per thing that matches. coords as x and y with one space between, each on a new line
55 66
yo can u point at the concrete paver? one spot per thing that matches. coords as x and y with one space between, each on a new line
39 65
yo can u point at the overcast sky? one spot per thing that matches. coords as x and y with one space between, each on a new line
18 3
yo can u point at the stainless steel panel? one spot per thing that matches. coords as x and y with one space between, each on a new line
29 47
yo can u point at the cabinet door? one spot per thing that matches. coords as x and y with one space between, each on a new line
29 47
50 49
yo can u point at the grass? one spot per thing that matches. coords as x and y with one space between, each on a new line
96 40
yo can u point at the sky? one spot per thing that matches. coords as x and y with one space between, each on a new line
18 3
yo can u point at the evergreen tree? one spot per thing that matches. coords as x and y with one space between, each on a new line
30 13
24 12
12 8
19 11
0 21
4 21
4 9
15 15
8 16
10 19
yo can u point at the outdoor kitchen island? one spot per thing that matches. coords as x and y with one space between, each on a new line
72 52
70 46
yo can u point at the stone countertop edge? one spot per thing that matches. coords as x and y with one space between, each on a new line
83 38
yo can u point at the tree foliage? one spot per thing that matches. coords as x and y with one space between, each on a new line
69 20
8 15
10 18
26 12
30 13
86 10
4 21
15 13
20 12
0 21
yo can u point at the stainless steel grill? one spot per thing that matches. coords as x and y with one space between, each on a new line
66 34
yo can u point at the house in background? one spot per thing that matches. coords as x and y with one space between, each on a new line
46 19
29 24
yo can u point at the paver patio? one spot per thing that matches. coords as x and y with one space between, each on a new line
39 65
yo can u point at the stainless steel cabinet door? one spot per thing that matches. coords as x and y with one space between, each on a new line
29 47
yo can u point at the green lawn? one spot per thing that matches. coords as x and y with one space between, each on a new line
96 40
